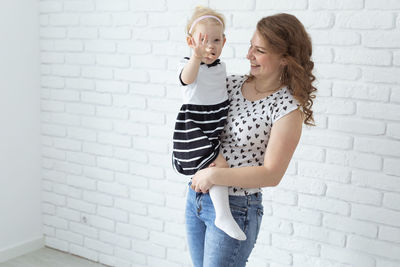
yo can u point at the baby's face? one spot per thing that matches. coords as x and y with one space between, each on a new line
216 39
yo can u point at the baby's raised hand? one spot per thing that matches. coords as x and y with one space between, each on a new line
200 49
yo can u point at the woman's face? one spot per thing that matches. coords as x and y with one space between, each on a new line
263 62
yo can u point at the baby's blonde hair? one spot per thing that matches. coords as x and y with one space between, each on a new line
200 11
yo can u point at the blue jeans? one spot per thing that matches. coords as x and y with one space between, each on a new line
211 247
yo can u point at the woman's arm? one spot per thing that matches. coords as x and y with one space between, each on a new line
285 135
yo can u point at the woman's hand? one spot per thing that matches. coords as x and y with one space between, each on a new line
202 180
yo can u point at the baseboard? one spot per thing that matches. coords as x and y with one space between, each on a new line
21 249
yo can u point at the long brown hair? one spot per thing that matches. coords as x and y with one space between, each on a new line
286 36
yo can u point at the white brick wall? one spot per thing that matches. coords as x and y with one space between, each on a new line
109 100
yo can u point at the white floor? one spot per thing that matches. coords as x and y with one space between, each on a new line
48 257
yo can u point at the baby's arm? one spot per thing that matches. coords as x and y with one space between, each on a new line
220 162
191 69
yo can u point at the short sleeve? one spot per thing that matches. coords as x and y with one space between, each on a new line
286 103
180 67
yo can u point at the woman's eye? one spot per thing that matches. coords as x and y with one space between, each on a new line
260 51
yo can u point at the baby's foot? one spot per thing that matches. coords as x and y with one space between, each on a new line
230 227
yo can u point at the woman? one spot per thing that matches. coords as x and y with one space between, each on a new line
267 109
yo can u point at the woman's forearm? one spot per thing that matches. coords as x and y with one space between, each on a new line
246 177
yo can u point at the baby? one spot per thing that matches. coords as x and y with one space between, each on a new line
203 115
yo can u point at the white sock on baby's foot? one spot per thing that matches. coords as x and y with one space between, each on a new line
223 216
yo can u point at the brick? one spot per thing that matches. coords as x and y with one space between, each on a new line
113 189
79 6
94 19
100 46
97 72
146 196
69 236
131 206
111 87
132 180
379 111
381 39
347 255
354 194
156 5
324 139
56 243
66 119
279 5
378 180
367 20
101 223
80 109
393 130
382 4
297 214
81 205
67 190
112 138
83 229
132 75
324 171
335 71
96 98
391 201
131 256
130 19
83 33
98 246
118 5
53 130
374 247
83 252
113 261
316 20
391 166
354 159
96 123
361 91
335 37
303 185
115 239
55 221
306 260
336 4
363 56
132 231
52 33
64 19
377 146
130 154
354 125
81 158
350 225
68 46
322 55
318 234
324 204
112 164
98 173
79 83
81 182
50 7
148 248
134 47
390 234
52 106
98 198
294 244
51 57
376 214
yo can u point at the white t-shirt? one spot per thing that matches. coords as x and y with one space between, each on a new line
209 88
246 134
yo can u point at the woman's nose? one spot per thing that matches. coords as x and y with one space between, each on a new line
250 54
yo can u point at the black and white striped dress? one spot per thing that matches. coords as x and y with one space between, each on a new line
201 118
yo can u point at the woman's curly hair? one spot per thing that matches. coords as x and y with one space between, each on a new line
286 36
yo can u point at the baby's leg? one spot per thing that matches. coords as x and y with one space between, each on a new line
223 216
